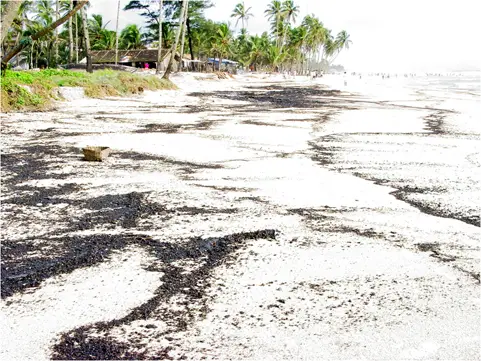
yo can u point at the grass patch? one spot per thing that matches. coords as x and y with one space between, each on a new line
35 90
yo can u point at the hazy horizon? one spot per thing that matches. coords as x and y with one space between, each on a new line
414 36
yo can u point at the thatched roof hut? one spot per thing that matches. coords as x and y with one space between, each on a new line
129 56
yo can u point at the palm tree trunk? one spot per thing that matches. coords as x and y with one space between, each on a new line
70 36
159 53
189 35
76 39
334 58
9 12
117 35
57 15
181 64
285 32
87 41
17 40
43 32
31 56
173 50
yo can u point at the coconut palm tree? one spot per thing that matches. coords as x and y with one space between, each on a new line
183 12
223 39
290 11
9 13
96 24
57 15
184 27
341 42
131 37
86 40
275 14
21 23
117 34
104 40
41 33
70 34
316 37
159 52
241 13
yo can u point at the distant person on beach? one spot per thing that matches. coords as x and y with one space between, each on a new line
146 66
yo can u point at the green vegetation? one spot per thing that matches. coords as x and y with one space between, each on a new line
291 44
35 90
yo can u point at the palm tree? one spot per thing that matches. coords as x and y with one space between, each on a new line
96 24
316 36
297 45
105 40
57 15
41 32
44 17
274 56
223 39
290 12
70 35
330 47
173 50
184 26
9 12
22 22
117 34
241 13
341 42
275 15
258 48
87 40
131 37
159 52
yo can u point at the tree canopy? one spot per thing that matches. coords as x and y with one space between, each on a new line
291 43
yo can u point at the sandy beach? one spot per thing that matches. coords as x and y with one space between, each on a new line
254 218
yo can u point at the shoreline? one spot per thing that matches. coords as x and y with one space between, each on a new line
248 189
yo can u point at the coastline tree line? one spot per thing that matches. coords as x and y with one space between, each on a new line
47 33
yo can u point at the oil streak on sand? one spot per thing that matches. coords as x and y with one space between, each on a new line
254 218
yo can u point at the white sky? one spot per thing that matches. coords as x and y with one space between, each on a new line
387 35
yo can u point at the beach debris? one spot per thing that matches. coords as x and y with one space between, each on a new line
96 154
223 75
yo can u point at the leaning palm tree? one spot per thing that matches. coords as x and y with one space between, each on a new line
9 12
241 13
40 33
173 50
341 42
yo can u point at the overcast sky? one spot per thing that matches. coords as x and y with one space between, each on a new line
408 35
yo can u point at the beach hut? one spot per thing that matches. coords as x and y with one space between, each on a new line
230 65
135 58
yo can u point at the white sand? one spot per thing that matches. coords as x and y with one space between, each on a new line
420 308
31 321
